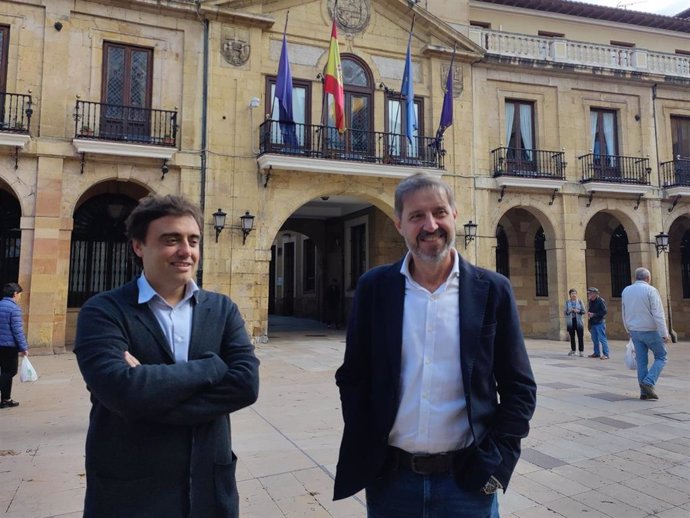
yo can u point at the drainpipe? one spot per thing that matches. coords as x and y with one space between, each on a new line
203 152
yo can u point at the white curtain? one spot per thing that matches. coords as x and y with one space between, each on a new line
593 117
609 136
510 116
526 129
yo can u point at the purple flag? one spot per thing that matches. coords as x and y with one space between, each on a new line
447 110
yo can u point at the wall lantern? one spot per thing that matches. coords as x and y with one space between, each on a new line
661 243
247 225
219 222
470 232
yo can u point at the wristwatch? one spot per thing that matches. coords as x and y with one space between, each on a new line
492 486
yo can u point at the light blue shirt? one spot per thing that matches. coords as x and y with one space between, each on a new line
175 322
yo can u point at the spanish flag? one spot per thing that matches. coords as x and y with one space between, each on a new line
333 83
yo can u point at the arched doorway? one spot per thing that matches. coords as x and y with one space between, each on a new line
678 288
613 243
10 237
525 254
330 240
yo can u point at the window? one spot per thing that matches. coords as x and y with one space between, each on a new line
502 257
309 265
541 276
549 34
685 263
620 261
301 110
519 136
603 134
399 147
357 141
127 73
100 255
4 49
10 238
680 135
356 252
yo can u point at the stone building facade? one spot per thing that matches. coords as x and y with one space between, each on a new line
569 149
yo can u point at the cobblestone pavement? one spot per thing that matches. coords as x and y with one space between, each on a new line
595 449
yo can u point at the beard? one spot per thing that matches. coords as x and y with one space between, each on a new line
435 257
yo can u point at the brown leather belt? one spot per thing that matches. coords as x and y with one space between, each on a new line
424 463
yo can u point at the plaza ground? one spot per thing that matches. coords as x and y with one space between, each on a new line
595 450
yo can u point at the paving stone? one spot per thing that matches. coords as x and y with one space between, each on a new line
607 456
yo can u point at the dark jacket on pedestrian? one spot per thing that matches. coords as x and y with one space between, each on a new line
158 444
598 307
11 325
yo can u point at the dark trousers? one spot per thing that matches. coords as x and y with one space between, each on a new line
9 361
580 338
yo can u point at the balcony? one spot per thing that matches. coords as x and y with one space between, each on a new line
15 119
675 176
578 54
615 174
313 147
113 129
528 168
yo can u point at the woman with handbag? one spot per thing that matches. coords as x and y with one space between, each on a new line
573 311
12 341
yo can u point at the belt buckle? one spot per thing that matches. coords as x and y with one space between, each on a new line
413 464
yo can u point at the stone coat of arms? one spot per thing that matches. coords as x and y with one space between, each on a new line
235 48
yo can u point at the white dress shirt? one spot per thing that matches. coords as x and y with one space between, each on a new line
432 415
175 322
642 309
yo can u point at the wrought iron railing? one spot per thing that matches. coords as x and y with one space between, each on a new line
15 112
533 163
615 169
132 124
317 141
675 172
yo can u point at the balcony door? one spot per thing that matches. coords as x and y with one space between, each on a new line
680 134
520 157
400 150
357 141
127 73
604 137
4 47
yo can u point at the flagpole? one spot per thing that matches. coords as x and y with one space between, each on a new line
273 102
449 85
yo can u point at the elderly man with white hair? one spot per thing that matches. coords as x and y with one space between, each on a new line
645 322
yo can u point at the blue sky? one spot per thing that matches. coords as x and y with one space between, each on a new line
667 7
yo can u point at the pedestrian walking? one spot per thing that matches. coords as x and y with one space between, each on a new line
12 341
645 322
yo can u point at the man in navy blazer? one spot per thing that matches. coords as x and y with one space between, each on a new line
436 385
165 362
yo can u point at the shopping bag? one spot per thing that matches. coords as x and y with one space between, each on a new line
27 371
630 360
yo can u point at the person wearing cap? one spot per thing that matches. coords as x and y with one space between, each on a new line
645 322
596 313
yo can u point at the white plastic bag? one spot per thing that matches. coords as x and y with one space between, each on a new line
27 371
630 360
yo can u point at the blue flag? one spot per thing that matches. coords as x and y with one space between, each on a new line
407 92
284 96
